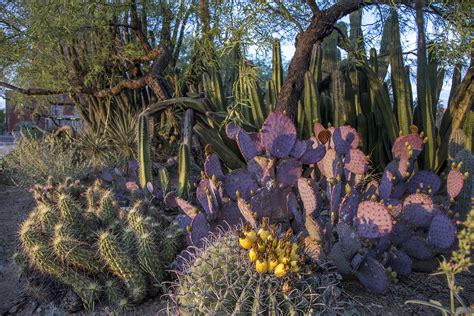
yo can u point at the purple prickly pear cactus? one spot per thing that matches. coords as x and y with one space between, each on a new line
246 145
386 185
348 207
317 128
246 212
418 210
340 260
313 154
212 167
175 201
416 247
345 138
372 275
442 232
262 168
288 171
257 140
199 229
241 181
400 262
455 183
426 181
300 148
278 135
228 216
350 243
309 194
271 203
292 206
232 130
331 165
209 195
356 161
373 220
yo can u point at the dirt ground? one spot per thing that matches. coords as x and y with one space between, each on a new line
16 203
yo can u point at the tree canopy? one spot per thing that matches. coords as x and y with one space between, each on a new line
95 50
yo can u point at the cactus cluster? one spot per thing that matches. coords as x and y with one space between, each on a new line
80 237
220 280
264 187
374 229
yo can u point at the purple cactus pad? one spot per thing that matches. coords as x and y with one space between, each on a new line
246 145
262 168
442 233
386 184
309 194
278 135
345 138
232 130
400 262
313 155
424 180
348 207
416 247
271 203
300 148
239 180
348 239
199 229
356 161
455 183
288 171
292 205
373 220
372 275
212 167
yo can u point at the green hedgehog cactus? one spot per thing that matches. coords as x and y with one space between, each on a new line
87 242
120 264
221 280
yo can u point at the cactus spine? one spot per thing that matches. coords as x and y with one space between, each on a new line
144 157
120 264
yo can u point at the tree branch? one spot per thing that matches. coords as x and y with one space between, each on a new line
314 6
32 91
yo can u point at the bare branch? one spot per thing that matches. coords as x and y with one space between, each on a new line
32 91
314 6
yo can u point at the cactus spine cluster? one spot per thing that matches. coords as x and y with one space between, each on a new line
95 251
220 279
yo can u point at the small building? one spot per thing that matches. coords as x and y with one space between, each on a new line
62 112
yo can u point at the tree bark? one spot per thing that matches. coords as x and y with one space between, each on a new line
320 27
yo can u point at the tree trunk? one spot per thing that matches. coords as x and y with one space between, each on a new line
321 26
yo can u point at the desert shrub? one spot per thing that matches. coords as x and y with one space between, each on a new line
34 159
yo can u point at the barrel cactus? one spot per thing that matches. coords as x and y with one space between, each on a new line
221 279
81 238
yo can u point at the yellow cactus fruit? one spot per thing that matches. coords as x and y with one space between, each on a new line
280 270
251 235
295 269
245 242
272 264
252 255
261 266
284 260
263 233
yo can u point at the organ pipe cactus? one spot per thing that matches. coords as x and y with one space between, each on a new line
101 252
277 67
144 158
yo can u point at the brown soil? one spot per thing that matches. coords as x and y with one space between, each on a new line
15 204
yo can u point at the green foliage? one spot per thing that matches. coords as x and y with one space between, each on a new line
88 250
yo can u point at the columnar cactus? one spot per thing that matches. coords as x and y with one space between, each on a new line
95 250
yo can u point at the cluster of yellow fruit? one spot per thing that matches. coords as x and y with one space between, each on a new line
270 253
